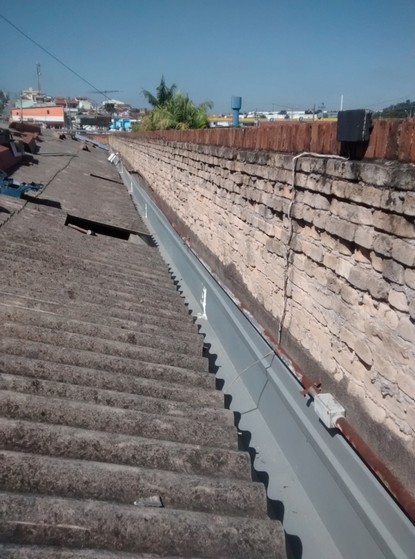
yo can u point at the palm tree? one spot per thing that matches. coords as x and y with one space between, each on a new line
179 113
164 94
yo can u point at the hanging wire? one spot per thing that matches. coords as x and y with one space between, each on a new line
53 56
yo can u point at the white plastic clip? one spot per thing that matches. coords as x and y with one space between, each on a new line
203 303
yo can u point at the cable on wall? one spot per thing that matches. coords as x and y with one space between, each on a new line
291 230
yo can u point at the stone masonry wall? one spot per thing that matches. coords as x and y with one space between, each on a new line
350 307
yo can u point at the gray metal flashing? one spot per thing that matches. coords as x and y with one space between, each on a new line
333 506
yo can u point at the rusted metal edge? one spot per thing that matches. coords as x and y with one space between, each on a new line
402 496
396 489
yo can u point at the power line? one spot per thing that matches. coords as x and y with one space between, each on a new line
52 55
387 101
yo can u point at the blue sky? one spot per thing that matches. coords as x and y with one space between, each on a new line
275 54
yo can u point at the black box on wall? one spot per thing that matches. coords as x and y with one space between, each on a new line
354 126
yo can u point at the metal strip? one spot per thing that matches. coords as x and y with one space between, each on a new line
332 505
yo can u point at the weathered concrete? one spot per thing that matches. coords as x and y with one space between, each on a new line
115 420
23 473
116 448
36 552
350 295
90 523
160 406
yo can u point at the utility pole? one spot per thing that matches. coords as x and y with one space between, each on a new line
38 72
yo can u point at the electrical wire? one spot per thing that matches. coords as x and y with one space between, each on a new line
291 231
52 55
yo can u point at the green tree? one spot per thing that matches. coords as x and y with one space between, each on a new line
173 109
177 113
400 110
109 107
163 95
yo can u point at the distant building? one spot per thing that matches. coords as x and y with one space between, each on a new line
67 102
30 97
122 109
47 115
84 104
97 121
118 123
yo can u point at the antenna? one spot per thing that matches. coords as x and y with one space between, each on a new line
39 73
105 91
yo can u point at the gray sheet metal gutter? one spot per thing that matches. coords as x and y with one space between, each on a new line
331 505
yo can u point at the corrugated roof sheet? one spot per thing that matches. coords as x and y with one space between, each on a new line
107 403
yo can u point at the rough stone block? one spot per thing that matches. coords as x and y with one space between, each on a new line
378 288
393 271
352 212
406 382
344 268
404 252
314 200
406 329
363 351
409 204
394 224
347 337
374 173
299 261
341 228
383 366
377 262
409 277
364 237
308 214
393 200
328 240
275 246
350 295
340 188
398 300
360 278
320 219
383 244
317 183
321 275
344 247
333 282
330 260
342 168
313 250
